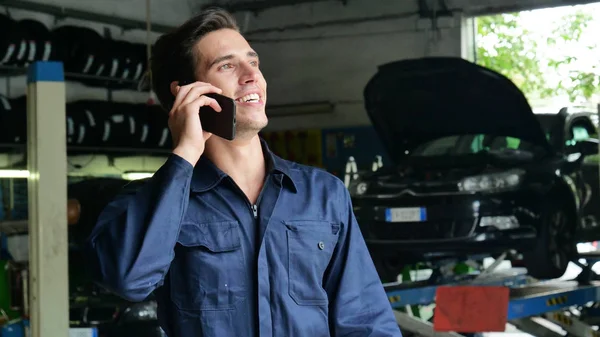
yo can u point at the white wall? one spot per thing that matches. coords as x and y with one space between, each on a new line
332 62
311 54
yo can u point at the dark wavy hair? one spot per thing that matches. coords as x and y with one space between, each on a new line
174 57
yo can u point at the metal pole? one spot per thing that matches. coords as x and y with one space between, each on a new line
47 194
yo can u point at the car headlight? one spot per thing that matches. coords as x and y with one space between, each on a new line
491 182
358 188
145 311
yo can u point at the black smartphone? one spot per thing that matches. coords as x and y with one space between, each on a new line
221 123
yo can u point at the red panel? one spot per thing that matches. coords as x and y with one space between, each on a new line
471 309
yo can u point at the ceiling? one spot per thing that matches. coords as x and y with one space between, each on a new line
257 5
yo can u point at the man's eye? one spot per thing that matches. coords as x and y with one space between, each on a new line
225 66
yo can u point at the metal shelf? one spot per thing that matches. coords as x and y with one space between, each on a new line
14 227
116 150
129 84
76 149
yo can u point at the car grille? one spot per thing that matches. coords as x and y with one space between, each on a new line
448 217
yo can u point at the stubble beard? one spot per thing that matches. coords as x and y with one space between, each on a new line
249 129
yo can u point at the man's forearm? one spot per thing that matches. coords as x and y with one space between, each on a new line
132 243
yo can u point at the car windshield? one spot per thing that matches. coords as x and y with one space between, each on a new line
471 144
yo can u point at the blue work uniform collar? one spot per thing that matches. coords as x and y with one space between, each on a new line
207 175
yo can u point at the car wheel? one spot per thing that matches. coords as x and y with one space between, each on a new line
555 246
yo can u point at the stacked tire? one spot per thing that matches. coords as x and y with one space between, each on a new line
13 120
94 124
82 50
104 124
24 41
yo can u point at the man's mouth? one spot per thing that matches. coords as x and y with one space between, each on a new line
250 98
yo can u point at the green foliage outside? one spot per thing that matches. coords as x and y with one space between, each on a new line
510 45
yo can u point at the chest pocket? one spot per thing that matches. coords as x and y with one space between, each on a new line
208 271
310 248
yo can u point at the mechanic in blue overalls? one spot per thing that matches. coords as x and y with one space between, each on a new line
233 240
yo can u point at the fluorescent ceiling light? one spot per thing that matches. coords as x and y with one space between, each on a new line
24 174
14 174
136 175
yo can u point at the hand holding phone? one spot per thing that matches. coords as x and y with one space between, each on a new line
188 134
220 123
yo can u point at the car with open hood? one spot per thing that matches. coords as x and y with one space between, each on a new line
474 171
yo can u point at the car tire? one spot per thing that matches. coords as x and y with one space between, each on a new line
556 246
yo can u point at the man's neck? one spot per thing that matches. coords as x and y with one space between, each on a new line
242 160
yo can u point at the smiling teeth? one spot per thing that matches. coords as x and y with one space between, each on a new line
249 98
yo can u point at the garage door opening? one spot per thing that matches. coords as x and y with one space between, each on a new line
551 54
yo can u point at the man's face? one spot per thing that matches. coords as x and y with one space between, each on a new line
228 62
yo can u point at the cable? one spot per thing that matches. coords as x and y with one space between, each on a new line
340 22
149 50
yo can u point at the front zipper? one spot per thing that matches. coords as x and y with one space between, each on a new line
255 211
253 207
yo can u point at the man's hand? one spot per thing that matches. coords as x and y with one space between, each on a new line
184 119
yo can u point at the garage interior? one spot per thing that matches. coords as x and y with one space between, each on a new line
451 122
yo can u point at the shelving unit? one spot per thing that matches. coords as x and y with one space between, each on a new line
48 267
114 151
12 227
16 71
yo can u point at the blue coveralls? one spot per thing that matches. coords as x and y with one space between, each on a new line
293 265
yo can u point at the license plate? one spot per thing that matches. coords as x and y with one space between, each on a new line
406 214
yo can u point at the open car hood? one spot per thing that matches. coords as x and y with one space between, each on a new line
414 101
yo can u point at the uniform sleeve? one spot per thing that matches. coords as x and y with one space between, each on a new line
358 303
131 247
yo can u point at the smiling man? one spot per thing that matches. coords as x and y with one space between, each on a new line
231 239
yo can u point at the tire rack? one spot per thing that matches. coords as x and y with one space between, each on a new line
47 166
530 302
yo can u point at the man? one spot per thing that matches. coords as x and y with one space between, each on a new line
233 240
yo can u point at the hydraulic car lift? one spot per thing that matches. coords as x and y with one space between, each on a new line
488 301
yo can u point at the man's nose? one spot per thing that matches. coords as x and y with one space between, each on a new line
250 74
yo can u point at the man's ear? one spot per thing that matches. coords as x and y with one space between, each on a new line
174 87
